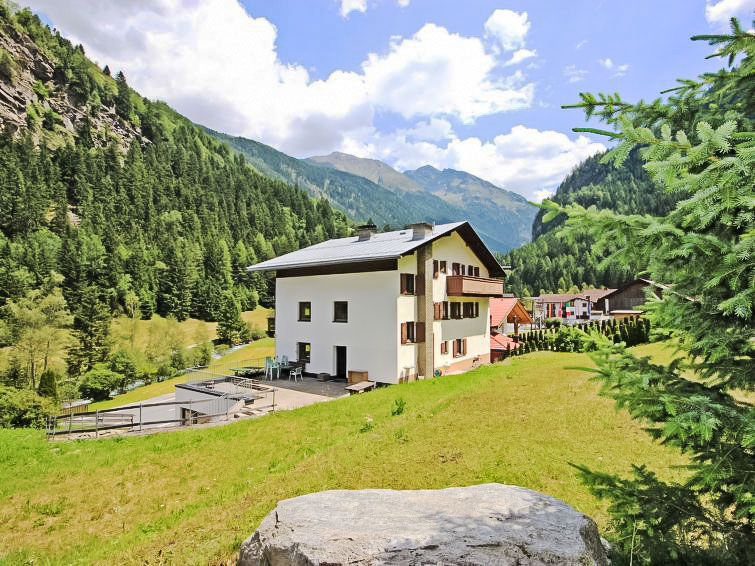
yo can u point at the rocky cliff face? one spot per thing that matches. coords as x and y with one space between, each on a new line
29 84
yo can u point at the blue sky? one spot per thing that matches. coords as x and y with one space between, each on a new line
473 85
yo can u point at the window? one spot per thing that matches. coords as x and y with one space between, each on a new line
442 266
412 332
407 284
436 268
302 351
470 270
460 347
340 311
305 311
476 271
471 310
461 269
455 310
444 310
444 347
455 269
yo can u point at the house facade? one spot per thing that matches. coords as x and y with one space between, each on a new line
572 307
393 306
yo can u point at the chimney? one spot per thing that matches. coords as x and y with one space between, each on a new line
366 231
421 230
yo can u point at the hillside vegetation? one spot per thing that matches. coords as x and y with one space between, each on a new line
550 263
190 497
166 212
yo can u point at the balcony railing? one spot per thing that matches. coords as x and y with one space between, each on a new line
464 285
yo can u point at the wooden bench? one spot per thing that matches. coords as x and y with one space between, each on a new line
360 387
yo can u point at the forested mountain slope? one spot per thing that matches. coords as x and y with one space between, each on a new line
127 199
369 189
550 263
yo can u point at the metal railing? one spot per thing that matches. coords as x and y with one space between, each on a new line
218 406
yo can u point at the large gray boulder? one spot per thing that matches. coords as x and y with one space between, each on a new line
481 524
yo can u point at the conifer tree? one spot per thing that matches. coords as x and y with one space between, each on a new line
91 331
699 144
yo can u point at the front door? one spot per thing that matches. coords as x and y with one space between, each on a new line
341 362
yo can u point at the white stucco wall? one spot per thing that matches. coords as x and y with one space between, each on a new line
372 335
369 335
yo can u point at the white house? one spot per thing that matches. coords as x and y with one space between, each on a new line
396 305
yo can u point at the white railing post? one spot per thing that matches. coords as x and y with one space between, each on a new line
140 416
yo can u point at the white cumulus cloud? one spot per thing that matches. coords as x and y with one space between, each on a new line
219 65
348 6
520 55
719 13
509 28
607 62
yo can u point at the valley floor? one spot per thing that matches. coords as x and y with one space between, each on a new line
191 497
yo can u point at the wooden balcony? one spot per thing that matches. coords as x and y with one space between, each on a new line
466 286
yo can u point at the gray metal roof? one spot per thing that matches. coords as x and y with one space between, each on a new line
387 245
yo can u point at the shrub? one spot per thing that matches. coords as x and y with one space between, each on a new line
256 332
7 65
122 363
49 119
40 89
48 384
568 339
97 383
23 408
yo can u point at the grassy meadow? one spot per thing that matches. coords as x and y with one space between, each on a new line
192 496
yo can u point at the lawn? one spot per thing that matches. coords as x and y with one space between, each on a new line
191 497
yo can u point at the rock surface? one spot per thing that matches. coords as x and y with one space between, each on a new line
482 524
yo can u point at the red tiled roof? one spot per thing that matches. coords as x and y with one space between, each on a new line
500 309
501 342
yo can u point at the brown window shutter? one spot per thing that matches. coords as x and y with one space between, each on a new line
456 348
436 311
419 332
476 310
435 268
464 347
404 333
419 285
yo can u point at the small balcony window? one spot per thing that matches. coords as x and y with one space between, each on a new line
305 311
340 311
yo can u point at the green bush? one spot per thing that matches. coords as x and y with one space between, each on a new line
122 363
50 119
568 339
7 66
48 384
40 89
97 383
256 332
23 408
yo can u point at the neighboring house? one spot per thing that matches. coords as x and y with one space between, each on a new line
572 307
624 301
396 305
506 315
500 344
